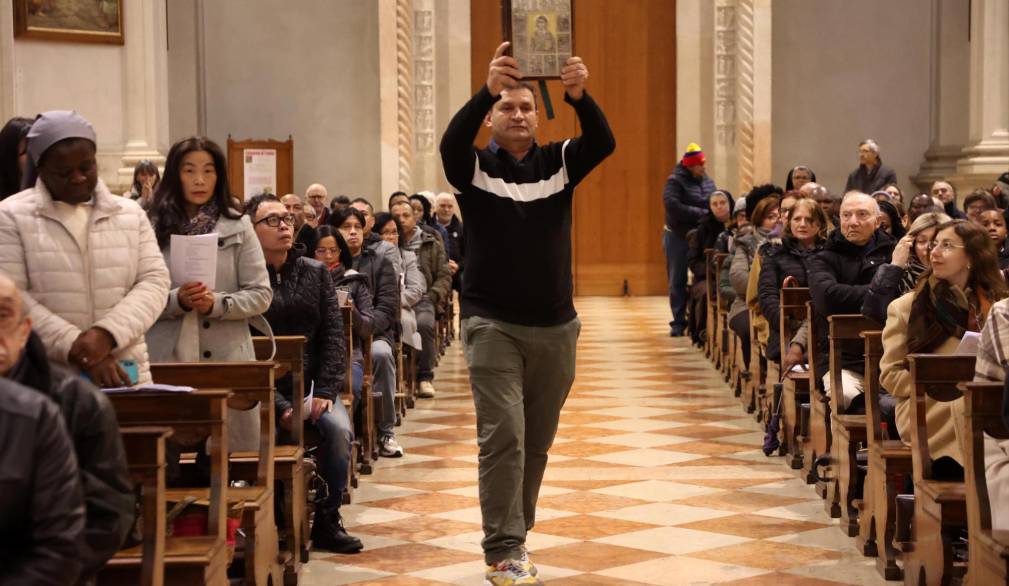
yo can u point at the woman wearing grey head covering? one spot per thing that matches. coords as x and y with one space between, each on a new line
86 261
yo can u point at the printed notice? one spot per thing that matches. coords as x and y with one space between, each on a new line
260 171
194 259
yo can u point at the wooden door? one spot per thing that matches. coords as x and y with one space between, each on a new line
629 47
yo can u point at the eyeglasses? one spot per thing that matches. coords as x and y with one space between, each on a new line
333 250
390 233
945 247
274 220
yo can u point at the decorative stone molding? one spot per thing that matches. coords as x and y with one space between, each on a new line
745 88
424 70
405 90
725 72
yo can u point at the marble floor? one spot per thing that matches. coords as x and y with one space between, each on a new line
656 477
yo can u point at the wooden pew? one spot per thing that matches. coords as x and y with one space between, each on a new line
290 469
889 465
795 387
726 359
940 507
816 439
364 435
145 457
710 294
249 382
989 549
847 431
192 417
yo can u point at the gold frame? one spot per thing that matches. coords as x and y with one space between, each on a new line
23 29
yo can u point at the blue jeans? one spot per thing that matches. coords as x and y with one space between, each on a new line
334 451
676 271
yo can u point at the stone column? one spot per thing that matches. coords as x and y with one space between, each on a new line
395 40
948 107
7 70
145 74
986 154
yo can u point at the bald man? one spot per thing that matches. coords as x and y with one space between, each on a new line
90 421
444 207
304 235
821 195
839 278
317 197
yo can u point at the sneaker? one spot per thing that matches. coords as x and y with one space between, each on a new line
509 573
426 390
389 447
527 564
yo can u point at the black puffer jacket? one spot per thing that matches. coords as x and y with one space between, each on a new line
839 278
780 259
304 304
384 287
705 238
362 314
685 198
91 421
886 286
41 502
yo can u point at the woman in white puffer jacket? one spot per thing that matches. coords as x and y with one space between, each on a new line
85 260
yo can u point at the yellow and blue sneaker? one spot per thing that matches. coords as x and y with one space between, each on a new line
509 573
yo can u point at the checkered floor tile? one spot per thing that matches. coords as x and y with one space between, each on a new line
654 479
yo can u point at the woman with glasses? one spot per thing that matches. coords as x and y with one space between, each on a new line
305 304
909 261
952 297
199 322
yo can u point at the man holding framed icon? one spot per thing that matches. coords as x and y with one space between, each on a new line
519 324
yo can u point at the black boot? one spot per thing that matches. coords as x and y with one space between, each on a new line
328 532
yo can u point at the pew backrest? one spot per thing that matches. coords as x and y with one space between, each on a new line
844 328
871 388
983 415
936 377
289 358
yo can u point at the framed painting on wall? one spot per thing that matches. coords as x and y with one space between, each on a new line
541 33
85 21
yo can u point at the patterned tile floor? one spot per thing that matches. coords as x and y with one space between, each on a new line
656 477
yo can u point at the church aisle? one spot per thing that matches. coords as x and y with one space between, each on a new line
656 477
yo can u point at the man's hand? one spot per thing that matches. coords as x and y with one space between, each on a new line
573 76
453 267
107 373
320 406
504 71
286 419
90 348
791 358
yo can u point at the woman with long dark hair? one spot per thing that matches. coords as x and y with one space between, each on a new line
146 178
13 155
200 323
952 297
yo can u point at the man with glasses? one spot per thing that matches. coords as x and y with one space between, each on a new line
304 304
317 195
871 174
839 278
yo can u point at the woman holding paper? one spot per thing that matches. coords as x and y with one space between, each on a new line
214 293
952 297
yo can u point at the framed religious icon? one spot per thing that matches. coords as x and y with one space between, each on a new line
541 33
85 21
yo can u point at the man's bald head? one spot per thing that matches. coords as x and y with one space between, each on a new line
859 217
294 205
14 326
317 195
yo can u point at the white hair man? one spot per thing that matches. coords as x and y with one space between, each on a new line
871 175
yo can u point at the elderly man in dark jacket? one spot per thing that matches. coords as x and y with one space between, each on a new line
304 304
872 175
91 422
41 504
686 201
839 278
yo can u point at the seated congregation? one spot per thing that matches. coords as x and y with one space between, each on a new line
237 415
870 342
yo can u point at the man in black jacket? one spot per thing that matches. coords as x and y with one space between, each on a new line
686 202
304 304
839 278
519 327
41 502
91 422
455 245
872 175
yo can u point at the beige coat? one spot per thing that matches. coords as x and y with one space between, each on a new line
119 283
944 420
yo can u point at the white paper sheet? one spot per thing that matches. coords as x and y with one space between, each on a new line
969 343
194 259
150 388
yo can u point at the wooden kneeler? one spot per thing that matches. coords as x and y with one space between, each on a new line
191 417
940 507
989 549
848 432
889 465
249 382
795 386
